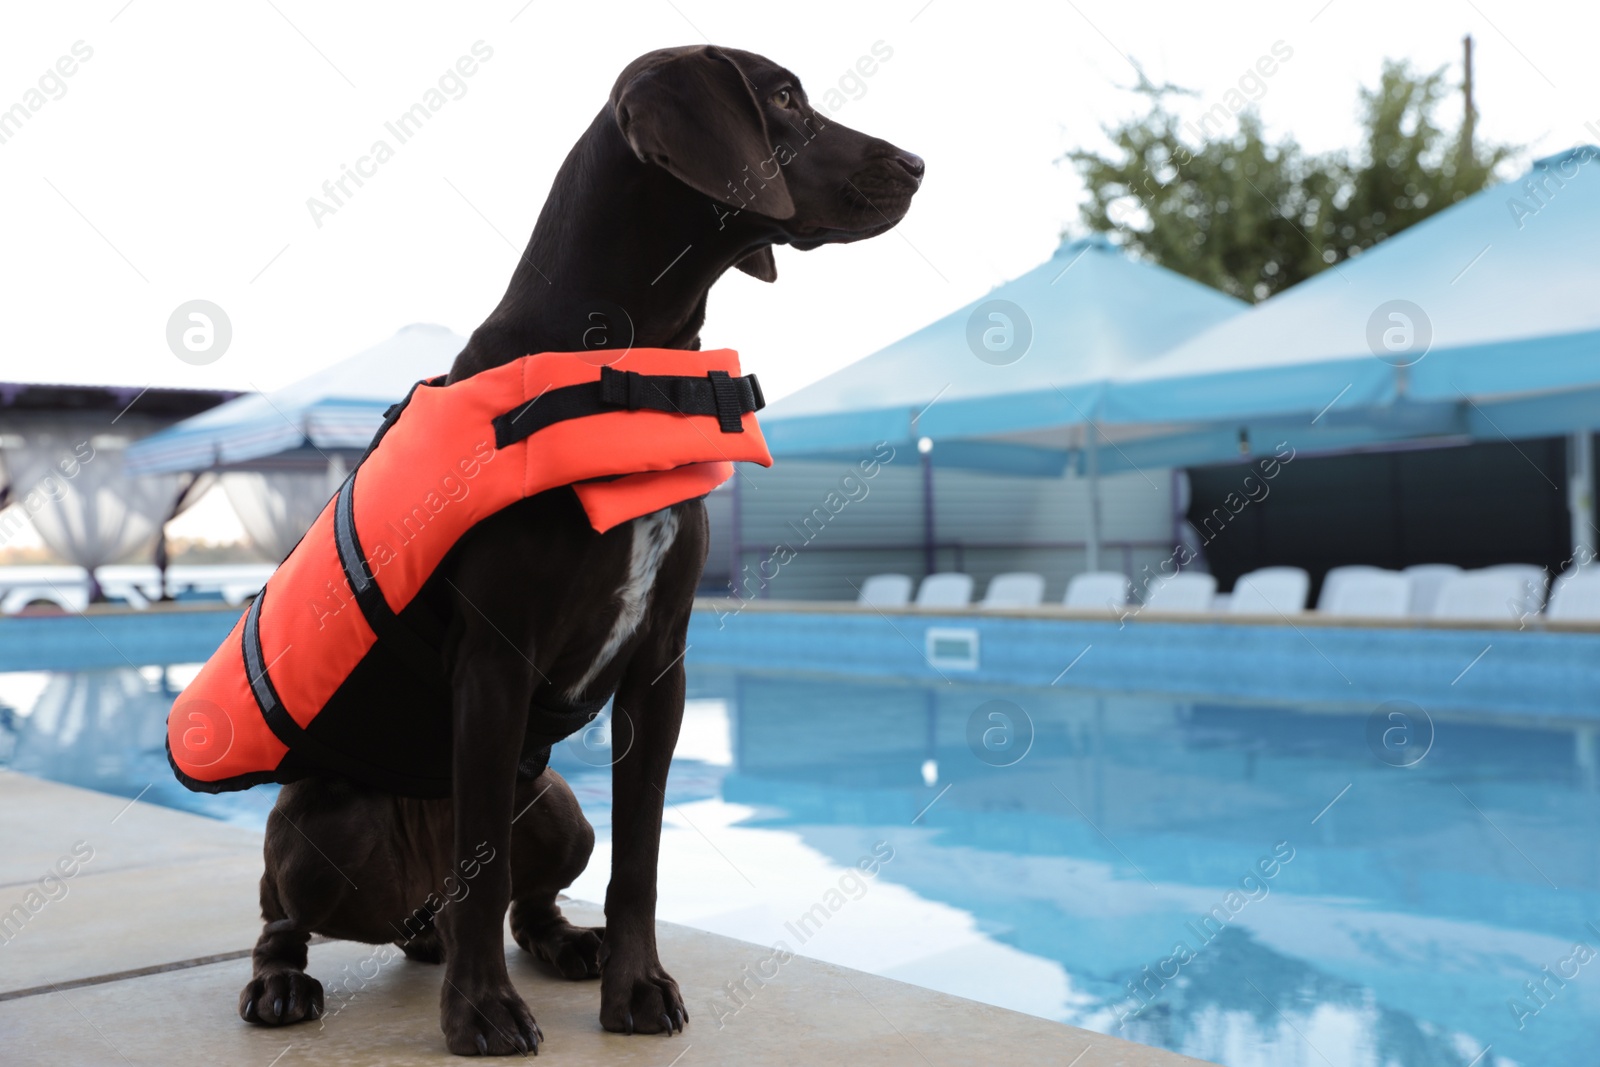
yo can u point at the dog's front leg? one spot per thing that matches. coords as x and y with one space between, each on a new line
636 994
480 1011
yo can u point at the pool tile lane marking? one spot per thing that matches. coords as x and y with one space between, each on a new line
1502 833
1287 1020
1102 833
1331 803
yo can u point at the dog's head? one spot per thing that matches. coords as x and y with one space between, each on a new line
738 128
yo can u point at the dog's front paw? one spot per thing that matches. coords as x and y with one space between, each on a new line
489 1021
278 998
640 1000
572 951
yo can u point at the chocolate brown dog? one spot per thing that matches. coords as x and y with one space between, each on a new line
702 160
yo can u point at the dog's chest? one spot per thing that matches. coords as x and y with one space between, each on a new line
652 538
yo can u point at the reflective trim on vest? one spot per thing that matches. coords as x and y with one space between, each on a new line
287 729
415 654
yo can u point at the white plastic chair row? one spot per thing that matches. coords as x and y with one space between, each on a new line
1268 591
1441 591
137 585
1575 596
1092 590
1015 589
1431 590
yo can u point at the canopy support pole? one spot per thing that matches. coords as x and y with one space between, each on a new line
1092 460
929 552
1580 495
162 558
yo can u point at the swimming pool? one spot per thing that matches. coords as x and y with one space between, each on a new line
1249 882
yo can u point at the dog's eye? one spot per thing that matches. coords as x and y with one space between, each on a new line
783 98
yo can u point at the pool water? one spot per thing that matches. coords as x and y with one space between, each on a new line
1256 885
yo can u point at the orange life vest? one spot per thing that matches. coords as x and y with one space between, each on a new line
321 675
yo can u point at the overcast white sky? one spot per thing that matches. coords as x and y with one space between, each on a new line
178 162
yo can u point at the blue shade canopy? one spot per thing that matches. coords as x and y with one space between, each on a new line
339 408
1504 295
1091 310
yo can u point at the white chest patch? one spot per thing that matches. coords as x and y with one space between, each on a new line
653 535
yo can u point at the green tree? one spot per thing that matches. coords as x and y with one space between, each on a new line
1252 217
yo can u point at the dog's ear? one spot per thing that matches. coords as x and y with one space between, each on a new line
695 114
760 264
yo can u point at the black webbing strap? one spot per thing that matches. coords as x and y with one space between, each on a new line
419 657
282 724
392 413
261 687
717 393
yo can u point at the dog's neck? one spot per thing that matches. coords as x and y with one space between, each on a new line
615 233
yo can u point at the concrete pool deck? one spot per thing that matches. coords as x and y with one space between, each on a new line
137 957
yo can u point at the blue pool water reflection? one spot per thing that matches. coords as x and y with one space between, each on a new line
1250 885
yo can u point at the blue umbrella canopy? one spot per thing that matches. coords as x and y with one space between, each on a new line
337 409
1486 309
1035 352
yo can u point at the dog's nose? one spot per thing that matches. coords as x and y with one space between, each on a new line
911 162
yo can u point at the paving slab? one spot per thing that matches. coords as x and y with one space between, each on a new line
41 822
141 962
124 920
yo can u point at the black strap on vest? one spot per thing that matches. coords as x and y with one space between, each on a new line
282 724
419 657
717 393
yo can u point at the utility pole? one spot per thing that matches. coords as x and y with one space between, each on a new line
1469 114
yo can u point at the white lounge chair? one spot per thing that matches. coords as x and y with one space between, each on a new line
1270 591
885 591
949 590
1576 597
1490 594
1015 589
1335 577
1220 602
1426 581
1097 589
74 598
1186 592
1365 592
1533 579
